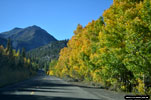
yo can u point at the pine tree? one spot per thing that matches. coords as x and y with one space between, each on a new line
23 54
9 50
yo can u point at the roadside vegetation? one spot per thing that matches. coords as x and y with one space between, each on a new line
114 50
14 66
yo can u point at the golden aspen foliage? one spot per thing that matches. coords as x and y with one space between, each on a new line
114 50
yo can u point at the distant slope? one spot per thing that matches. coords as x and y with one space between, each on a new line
3 42
46 53
29 38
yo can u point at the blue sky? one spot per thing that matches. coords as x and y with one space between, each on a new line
58 17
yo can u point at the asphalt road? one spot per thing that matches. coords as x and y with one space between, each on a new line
44 87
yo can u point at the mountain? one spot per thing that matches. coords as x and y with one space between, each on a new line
28 38
3 42
44 54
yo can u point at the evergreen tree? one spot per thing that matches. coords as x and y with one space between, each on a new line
9 50
23 54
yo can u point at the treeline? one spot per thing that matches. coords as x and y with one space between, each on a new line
14 66
114 50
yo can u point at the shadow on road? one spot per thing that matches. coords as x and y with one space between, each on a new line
40 90
35 97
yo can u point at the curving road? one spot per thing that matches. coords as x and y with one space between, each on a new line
44 87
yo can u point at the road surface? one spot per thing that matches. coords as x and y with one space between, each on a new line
44 87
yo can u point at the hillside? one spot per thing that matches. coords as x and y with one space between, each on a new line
28 38
3 42
44 54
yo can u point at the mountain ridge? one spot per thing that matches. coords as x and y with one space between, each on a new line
29 38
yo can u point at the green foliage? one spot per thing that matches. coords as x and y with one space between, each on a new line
52 65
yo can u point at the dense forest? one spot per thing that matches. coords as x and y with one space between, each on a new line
114 50
44 54
14 66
